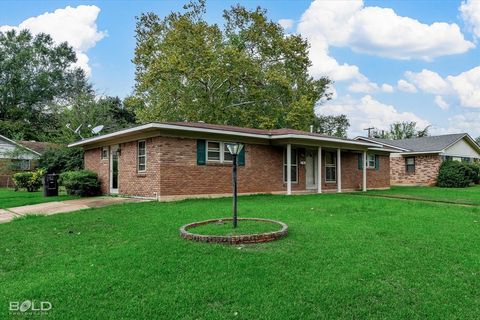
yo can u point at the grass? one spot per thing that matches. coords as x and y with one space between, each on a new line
243 227
470 196
346 256
10 198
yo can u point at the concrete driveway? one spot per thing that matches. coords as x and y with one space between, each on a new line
49 208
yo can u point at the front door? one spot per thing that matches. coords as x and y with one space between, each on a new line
311 169
114 169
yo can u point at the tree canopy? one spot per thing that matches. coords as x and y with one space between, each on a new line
331 125
246 73
36 77
401 130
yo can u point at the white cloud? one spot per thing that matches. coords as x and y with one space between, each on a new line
442 104
380 31
429 81
467 122
318 18
387 88
406 86
75 25
368 112
365 86
470 11
465 86
286 23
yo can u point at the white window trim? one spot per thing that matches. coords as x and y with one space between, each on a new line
222 151
292 164
138 156
327 165
368 161
101 155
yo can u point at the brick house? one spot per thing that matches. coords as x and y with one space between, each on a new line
170 161
417 161
17 156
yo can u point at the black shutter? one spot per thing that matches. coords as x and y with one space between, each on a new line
377 162
360 161
241 157
201 152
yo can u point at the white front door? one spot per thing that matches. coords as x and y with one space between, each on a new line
114 169
311 169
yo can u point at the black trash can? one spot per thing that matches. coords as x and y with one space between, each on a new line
50 185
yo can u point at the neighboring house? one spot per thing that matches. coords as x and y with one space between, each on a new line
417 160
179 160
16 156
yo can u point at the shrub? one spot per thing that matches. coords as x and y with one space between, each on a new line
32 181
475 167
61 159
80 183
454 174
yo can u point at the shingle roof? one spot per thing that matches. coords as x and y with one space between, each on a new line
272 132
36 146
431 143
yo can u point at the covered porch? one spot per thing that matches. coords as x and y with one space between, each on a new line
332 166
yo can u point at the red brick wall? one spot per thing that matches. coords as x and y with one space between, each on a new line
94 162
426 170
131 182
172 170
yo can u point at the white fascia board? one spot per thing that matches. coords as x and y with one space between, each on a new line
19 145
420 152
382 143
384 149
217 131
328 139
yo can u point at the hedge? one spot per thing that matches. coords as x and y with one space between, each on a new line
455 174
82 183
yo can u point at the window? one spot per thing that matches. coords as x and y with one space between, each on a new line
21 164
218 152
104 153
371 161
294 165
142 156
330 167
410 164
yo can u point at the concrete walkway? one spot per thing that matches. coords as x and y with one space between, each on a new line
49 208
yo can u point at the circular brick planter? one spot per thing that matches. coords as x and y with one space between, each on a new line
236 239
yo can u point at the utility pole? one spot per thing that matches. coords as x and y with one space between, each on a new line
369 131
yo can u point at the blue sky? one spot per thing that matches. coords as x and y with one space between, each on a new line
367 47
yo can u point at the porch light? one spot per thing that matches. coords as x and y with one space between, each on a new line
234 149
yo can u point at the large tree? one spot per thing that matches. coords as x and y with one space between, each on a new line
37 77
88 111
401 130
246 73
331 125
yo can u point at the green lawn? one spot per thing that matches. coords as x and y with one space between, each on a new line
10 198
469 195
347 256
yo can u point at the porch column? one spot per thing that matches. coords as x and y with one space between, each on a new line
289 169
364 168
319 170
339 170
